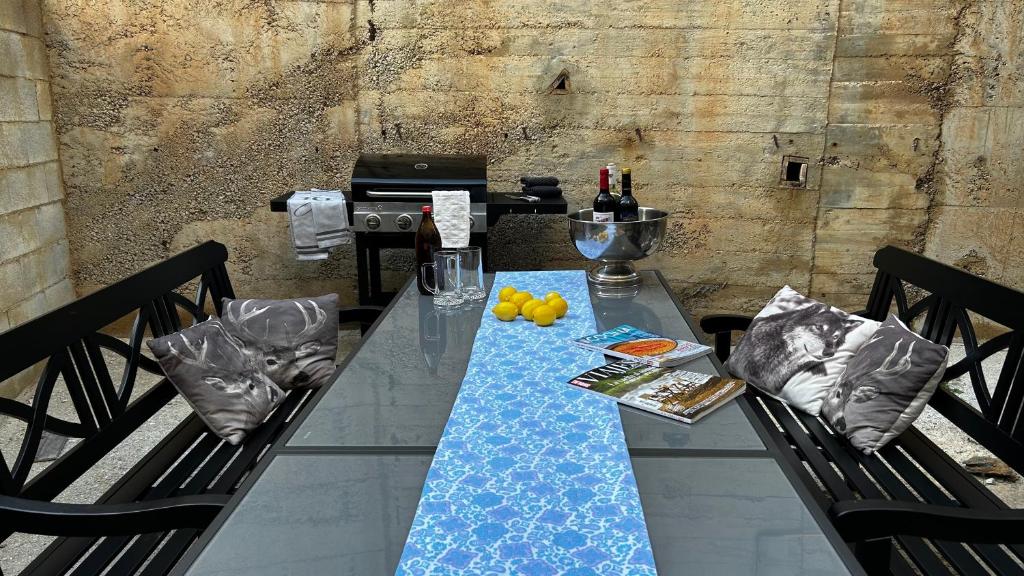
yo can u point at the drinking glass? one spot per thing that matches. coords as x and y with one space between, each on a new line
472 264
447 279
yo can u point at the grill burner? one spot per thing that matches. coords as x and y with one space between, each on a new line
388 190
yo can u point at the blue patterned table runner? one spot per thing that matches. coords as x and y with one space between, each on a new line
531 476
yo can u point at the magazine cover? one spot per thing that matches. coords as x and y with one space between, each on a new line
632 343
678 394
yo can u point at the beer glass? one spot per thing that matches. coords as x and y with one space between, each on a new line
472 266
447 279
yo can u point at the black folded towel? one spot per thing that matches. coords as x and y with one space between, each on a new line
543 191
530 181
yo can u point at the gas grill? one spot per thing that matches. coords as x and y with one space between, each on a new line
388 192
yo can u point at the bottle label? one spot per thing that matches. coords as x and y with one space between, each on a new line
604 216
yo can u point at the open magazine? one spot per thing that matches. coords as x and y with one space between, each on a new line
632 343
678 394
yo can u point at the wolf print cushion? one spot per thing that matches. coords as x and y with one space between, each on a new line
295 341
796 348
885 387
218 377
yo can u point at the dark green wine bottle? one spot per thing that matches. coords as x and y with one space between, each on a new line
629 209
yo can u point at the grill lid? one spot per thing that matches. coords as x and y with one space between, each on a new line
417 172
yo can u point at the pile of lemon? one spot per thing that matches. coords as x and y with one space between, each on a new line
540 312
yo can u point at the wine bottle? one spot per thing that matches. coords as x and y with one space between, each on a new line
629 209
604 204
428 240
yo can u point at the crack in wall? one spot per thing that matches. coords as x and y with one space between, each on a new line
831 161
941 98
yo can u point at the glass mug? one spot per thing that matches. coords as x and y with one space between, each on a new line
472 266
447 279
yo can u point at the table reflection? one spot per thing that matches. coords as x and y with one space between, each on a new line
623 307
444 331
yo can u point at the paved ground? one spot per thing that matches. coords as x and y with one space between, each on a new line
19 550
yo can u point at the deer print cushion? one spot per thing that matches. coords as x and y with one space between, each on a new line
218 377
796 348
885 387
295 341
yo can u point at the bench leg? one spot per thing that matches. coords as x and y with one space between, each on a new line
723 345
874 555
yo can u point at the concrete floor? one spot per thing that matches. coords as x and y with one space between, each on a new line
19 550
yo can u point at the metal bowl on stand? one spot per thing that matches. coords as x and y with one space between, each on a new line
616 245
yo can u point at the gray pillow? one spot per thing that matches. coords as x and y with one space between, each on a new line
796 348
295 341
885 387
218 377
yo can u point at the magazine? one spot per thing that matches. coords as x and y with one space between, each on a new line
678 394
632 343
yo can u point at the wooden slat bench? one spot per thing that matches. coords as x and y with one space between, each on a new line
150 516
911 508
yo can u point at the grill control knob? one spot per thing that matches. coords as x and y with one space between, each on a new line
372 222
404 222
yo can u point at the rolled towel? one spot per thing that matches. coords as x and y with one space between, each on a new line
543 191
530 181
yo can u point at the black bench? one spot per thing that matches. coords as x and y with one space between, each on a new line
151 515
911 507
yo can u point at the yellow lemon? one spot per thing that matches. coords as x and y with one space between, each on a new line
551 296
506 294
543 315
520 298
560 306
527 308
505 311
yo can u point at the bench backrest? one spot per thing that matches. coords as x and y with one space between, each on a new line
941 300
70 342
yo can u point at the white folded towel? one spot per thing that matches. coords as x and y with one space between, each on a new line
451 215
331 218
319 221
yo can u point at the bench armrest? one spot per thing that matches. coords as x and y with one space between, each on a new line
874 518
365 316
722 326
56 519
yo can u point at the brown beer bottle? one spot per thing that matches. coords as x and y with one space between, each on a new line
428 239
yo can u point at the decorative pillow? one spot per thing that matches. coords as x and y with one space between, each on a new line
295 341
886 386
218 377
796 348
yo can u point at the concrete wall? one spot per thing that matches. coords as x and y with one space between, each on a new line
178 121
977 219
34 264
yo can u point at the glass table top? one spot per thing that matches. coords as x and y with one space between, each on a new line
340 496
320 514
350 514
399 387
727 516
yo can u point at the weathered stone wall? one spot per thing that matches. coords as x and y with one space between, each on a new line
977 215
179 120
34 264
891 65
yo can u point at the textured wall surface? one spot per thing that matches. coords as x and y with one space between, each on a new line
179 120
978 210
34 264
